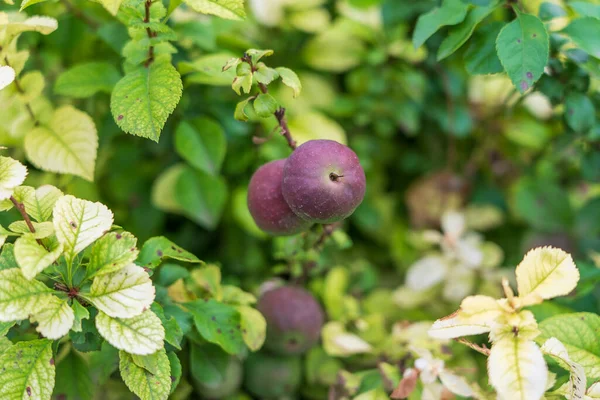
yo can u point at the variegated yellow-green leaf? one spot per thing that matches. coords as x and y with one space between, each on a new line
39 203
54 317
12 174
112 6
7 76
290 79
78 223
19 297
67 144
546 272
517 369
145 384
28 371
143 99
254 327
122 294
577 382
476 315
37 23
20 194
456 384
142 335
112 252
338 342
32 257
42 229
230 9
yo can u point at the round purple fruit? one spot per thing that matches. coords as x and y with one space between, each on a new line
267 205
323 181
294 319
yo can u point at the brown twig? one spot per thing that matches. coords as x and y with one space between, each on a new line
21 208
150 34
22 91
481 349
80 15
327 231
285 131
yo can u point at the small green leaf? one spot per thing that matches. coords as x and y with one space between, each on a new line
67 144
158 248
112 6
236 296
549 11
461 33
112 252
451 12
580 113
242 84
143 99
256 54
40 202
73 378
81 313
201 142
173 332
523 49
481 58
290 79
254 327
85 80
585 9
145 384
176 370
240 113
209 279
579 333
209 70
12 174
142 335
202 197
232 62
208 364
32 257
218 323
150 362
19 297
584 32
264 74
265 105
28 371
229 9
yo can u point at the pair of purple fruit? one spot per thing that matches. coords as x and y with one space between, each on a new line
322 181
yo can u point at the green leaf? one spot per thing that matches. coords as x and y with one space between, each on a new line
240 110
229 9
143 99
124 293
201 142
202 197
19 297
40 203
67 144
32 84
176 370
523 48
584 32
73 378
290 79
7 257
208 69
150 363
209 279
32 257
142 335
12 174
579 333
81 313
265 105
264 74
146 385
451 12
254 327
585 9
112 252
158 248
87 79
208 364
235 295
218 323
5 327
78 223
242 84
54 317
112 6
257 54
163 190
461 33
173 332
580 113
28 371
528 132
549 11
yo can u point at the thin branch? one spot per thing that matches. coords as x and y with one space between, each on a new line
80 15
149 32
327 231
481 349
285 131
22 91
21 208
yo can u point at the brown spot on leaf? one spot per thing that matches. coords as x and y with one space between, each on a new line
119 236
120 117
73 224
159 252
28 389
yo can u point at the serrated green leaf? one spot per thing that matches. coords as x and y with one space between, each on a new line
19 297
218 323
28 371
176 370
32 257
37 23
112 252
80 313
146 385
142 334
12 174
7 76
240 113
87 79
73 378
7 257
461 33
254 327
585 9
523 48
78 223
202 197
54 317
201 142
229 9
67 144
451 12
208 364
143 99
112 6
579 333
163 190
290 79
40 202
124 293
158 248
580 113
264 74
584 32
242 84
265 105
208 69
173 332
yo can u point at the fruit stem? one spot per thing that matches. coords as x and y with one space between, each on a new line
285 130
335 177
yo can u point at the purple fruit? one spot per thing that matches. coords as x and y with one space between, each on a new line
267 205
323 181
294 319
